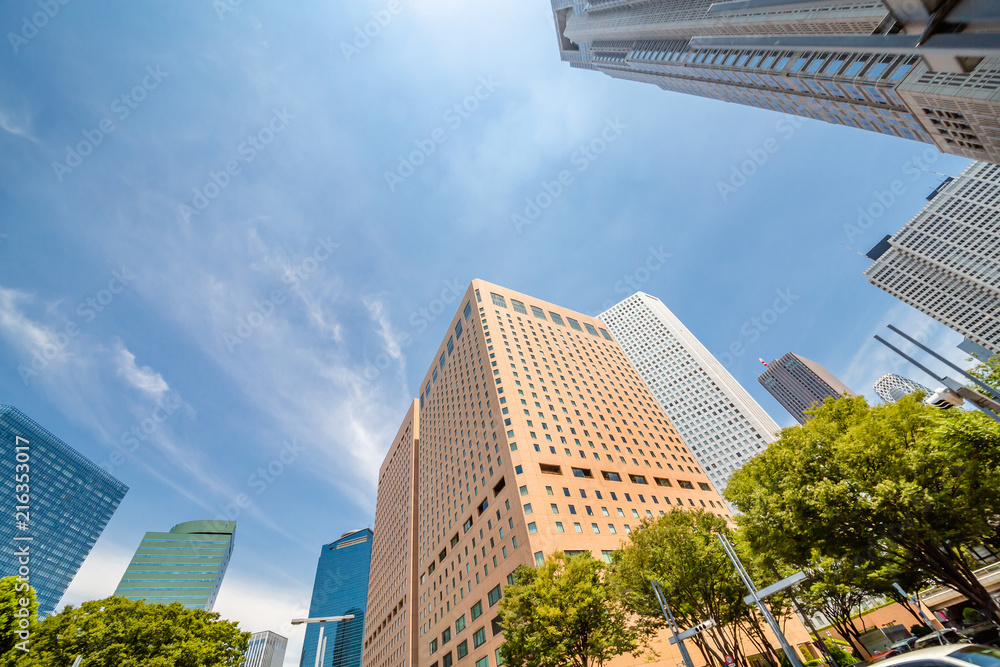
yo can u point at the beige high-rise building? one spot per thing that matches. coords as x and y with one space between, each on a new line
532 434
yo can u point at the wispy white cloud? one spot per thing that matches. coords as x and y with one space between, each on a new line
145 379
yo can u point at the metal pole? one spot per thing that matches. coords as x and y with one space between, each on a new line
319 644
793 658
809 624
937 356
670 620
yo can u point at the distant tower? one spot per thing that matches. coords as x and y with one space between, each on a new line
715 415
891 387
340 589
798 384
943 262
185 565
71 501
267 649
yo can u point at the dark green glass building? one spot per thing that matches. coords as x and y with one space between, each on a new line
185 565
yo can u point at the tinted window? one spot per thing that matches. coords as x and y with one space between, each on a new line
984 657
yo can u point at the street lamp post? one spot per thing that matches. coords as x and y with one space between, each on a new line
320 643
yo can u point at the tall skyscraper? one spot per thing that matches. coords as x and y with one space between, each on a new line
798 383
64 501
891 387
185 565
266 649
918 69
532 434
944 262
720 422
341 588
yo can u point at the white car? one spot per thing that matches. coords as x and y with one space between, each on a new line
953 655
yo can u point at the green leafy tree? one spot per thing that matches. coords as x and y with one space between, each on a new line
116 632
899 484
681 551
562 613
988 372
14 617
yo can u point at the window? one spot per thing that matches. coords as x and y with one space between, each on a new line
498 300
557 318
550 469
606 334
704 487
499 486
467 525
477 610
590 329
539 558
446 636
685 485
462 649
483 505
458 329
559 527
479 637
518 306
532 528
468 310
451 344
611 476
460 625
578 527
574 324
637 479
499 658
538 312
494 595
662 482
582 472
434 646
527 508
523 490
483 661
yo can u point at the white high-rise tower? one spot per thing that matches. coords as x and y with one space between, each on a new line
718 419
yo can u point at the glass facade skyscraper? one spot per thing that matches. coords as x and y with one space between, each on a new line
69 500
185 565
897 67
341 588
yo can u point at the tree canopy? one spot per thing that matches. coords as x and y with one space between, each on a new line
562 614
15 616
681 551
902 484
116 632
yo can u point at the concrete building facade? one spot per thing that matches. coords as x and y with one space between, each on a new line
532 434
945 261
798 384
898 67
185 565
715 416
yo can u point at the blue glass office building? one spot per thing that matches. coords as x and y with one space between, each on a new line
341 588
69 502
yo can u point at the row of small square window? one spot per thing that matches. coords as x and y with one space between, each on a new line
479 636
518 306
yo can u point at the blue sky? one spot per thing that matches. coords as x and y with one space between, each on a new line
245 256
